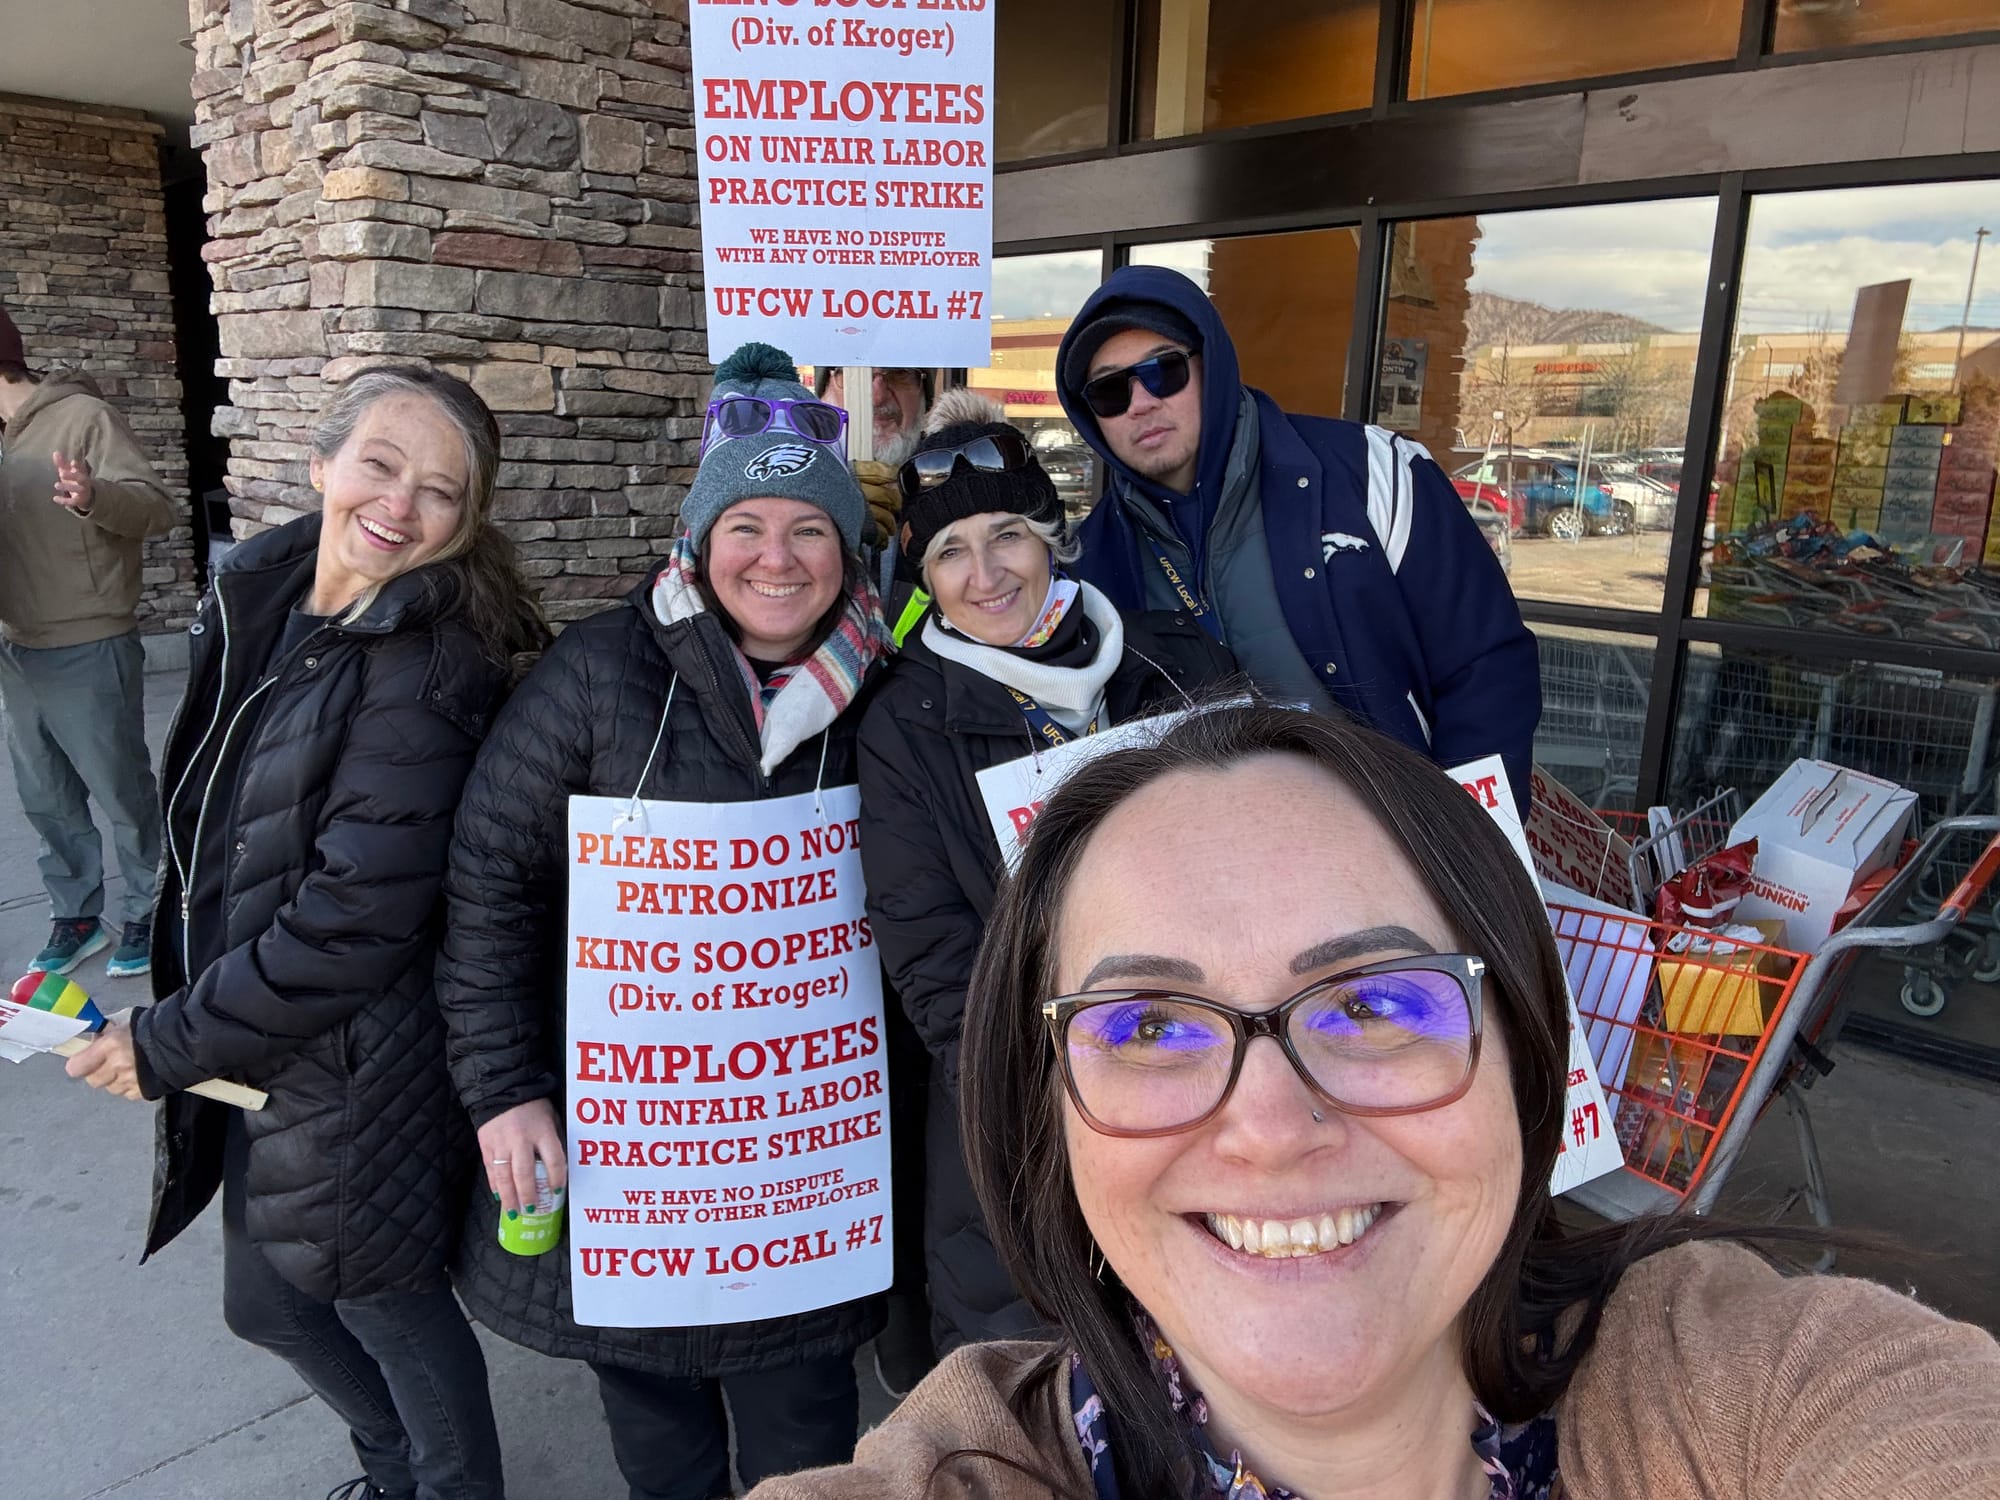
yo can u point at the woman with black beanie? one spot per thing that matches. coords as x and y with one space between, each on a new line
1014 656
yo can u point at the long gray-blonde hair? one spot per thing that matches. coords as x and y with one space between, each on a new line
497 601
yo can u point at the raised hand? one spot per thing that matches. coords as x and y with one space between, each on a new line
74 487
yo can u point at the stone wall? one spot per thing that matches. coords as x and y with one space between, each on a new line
83 271
502 188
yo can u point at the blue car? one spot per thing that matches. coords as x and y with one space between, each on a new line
1543 496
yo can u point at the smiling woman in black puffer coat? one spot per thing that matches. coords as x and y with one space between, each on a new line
344 670
730 675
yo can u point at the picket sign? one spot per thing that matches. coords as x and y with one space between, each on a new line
846 175
1015 790
727 1080
1589 1145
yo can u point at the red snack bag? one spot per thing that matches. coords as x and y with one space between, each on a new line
1706 892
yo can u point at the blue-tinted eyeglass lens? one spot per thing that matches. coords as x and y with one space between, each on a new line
1149 1062
1386 1041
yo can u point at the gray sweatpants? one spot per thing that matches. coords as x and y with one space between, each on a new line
76 730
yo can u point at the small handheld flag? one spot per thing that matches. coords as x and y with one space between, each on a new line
53 1013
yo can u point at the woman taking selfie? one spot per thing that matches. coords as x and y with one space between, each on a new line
1263 1077
1014 658
344 670
728 676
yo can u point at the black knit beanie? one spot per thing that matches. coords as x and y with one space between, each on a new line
972 492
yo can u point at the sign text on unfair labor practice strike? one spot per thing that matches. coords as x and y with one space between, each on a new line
846 151
728 1104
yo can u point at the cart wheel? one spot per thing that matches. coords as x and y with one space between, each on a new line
1922 995
1986 970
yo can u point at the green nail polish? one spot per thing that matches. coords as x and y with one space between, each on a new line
512 1214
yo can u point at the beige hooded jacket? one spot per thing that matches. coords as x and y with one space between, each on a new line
67 580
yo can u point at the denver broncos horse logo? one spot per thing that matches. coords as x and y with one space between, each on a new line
781 461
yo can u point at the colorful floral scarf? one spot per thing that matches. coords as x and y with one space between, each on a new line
802 698
1521 1459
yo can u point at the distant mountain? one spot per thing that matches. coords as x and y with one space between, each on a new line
1493 319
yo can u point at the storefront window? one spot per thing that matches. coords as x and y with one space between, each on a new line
1469 46
1052 77
1207 66
1546 359
1861 428
1288 302
1815 25
1746 715
1034 299
1595 687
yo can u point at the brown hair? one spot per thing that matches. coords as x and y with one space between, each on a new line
495 599
1533 1316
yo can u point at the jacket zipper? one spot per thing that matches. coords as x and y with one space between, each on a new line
173 847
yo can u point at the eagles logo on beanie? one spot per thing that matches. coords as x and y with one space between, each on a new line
774 464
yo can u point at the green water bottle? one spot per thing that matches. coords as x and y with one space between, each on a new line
534 1231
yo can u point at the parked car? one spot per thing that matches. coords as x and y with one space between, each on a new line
1652 499
1546 500
1496 525
1070 465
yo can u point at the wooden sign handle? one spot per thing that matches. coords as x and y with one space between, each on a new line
218 1089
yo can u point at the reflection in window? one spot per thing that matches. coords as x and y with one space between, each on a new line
1546 359
1469 46
1813 25
1052 77
1595 687
1034 299
1288 302
1207 66
1861 425
1746 715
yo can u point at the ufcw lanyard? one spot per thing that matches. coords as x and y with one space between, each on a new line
1042 722
1189 599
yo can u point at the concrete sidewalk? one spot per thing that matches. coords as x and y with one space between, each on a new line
122 1381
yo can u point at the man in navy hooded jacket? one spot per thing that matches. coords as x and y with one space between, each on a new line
1335 560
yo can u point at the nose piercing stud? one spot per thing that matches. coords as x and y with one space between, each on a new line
1318 1118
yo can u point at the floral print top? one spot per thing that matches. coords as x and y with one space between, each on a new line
1521 1459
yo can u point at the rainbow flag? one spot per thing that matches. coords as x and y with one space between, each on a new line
59 995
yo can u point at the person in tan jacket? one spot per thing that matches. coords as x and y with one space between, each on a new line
77 500
1263 1079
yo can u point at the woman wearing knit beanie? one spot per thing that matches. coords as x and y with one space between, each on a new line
729 676
1013 656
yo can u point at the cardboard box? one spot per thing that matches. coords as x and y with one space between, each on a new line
1946 411
1819 830
1728 990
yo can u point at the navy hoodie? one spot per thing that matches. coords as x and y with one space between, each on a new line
1388 588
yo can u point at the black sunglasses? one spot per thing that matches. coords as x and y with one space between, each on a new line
1163 375
989 453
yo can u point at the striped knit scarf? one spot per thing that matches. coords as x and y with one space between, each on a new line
802 698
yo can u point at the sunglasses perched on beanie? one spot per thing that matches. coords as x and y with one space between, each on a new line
989 453
1163 375
738 416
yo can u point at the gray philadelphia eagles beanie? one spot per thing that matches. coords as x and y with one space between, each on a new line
776 463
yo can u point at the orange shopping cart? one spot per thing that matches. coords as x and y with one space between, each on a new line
1695 1035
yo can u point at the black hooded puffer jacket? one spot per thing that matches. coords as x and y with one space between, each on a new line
584 723
933 870
309 803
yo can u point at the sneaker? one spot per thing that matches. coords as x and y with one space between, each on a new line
357 1489
71 941
134 955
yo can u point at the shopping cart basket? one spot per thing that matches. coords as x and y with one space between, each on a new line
1694 1037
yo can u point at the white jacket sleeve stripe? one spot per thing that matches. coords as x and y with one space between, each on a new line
1390 492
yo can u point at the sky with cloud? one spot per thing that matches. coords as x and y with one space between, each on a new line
1808 255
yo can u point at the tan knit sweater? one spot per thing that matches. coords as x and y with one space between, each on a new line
1713 1378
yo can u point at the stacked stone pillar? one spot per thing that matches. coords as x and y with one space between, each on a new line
504 189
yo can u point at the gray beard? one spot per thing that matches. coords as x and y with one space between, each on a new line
896 452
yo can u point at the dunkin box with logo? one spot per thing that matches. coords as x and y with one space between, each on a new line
1819 830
